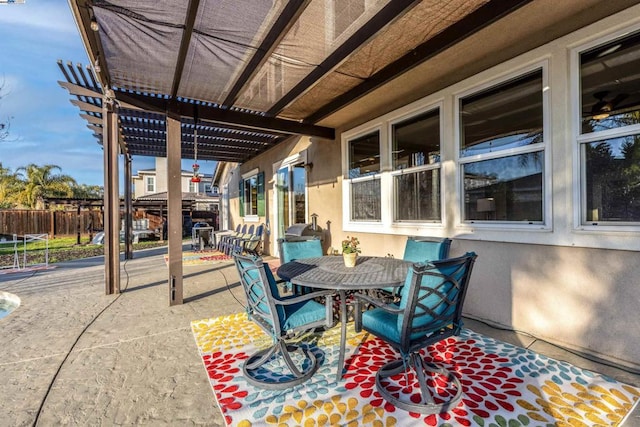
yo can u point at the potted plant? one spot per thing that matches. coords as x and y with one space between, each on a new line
350 251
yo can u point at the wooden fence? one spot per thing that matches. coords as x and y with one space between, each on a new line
54 223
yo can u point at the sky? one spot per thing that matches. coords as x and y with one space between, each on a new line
46 129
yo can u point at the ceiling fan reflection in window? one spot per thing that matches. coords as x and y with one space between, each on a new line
606 105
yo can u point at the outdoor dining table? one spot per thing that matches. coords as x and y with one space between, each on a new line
329 272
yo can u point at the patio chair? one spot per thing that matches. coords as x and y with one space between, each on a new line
283 365
429 310
226 240
291 250
421 249
221 235
235 242
253 244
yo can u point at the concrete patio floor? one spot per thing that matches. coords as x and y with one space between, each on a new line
130 359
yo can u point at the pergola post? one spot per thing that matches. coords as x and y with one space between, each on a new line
174 209
111 197
128 209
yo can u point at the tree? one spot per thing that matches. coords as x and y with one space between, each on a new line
85 191
42 181
10 186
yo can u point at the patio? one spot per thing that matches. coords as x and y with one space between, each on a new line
133 360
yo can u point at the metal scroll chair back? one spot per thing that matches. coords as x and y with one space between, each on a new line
423 249
429 310
283 365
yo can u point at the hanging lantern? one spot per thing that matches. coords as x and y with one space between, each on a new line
195 166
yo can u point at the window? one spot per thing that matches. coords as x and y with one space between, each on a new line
502 152
291 185
193 187
207 188
364 174
252 201
416 163
609 139
151 184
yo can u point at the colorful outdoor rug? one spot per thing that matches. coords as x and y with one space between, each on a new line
504 385
201 258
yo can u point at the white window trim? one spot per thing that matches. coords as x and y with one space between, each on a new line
364 226
545 147
579 139
300 157
253 172
146 184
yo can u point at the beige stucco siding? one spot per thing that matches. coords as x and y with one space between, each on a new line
575 285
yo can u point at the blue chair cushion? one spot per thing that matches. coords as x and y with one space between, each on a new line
424 251
382 323
294 250
302 313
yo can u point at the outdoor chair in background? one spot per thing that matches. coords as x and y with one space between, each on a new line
234 242
429 310
291 250
284 364
252 245
225 241
421 249
221 235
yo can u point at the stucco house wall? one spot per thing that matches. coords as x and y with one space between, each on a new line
573 285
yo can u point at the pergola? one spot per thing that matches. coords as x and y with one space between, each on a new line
244 75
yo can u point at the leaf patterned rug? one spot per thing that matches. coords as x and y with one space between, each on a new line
503 385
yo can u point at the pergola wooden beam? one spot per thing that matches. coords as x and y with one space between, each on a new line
218 115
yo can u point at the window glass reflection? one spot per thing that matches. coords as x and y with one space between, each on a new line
418 196
364 155
610 85
612 185
365 200
416 141
505 189
503 117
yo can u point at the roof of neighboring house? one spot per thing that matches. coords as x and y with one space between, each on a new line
186 196
184 172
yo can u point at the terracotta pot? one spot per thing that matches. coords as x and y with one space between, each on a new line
350 259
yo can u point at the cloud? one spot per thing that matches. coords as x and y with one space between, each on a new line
39 16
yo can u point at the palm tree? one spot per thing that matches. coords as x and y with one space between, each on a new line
42 181
10 185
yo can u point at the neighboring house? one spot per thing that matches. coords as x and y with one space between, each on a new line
150 193
529 159
152 181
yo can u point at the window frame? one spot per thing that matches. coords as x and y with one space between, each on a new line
398 119
545 147
260 196
150 180
347 182
580 139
